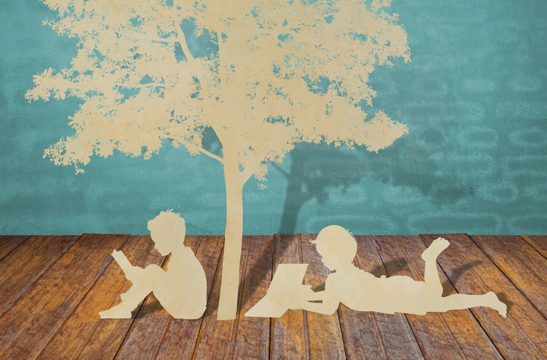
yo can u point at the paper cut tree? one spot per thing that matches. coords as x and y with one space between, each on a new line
279 73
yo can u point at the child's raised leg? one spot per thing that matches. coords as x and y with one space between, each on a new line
130 300
431 274
143 281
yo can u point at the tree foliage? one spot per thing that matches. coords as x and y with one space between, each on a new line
259 90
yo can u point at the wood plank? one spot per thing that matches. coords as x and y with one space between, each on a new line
288 339
108 336
374 335
9 243
218 337
26 328
181 335
25 265
146 332
537 242
467 332
253 334
57 311
431 331
324 334
80 330
520 262
522 334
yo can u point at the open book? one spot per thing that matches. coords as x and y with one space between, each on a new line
285 292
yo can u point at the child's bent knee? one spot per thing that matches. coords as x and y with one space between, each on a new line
153 269
132 296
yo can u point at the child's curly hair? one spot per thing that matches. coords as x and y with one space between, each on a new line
168 225
336 241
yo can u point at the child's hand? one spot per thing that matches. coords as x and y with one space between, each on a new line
305 295
310 295
120 258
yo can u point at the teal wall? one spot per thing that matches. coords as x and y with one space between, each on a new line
474 98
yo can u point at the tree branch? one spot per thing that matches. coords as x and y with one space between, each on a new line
203 151
222 69
154 38
181 39
283 172
164 40
246 174
144 86
184 45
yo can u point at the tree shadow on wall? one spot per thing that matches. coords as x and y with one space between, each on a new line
317 170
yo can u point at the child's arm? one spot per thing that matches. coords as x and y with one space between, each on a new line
329 302
327 306
123 262
308 294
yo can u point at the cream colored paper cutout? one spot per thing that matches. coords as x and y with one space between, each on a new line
362 291
140 84
181 289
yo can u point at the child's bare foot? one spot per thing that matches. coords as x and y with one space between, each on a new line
436 247
115 313
499 306
502 309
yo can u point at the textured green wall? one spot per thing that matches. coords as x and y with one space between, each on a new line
474 98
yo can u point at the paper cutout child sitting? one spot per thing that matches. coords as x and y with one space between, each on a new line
181 289
362 291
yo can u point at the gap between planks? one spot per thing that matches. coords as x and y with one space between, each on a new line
300 255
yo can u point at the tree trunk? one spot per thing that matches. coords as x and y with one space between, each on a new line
229 287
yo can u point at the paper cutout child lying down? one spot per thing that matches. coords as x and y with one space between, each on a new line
181 289
362 291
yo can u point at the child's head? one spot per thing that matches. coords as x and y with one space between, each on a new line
336 246
167 230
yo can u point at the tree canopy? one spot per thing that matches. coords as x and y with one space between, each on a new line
280 73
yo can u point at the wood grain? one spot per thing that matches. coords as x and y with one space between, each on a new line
91 341
431 330
253 334
27 327
25 265
52 311
324 333
526 267
521 334
468 334
108 336
181 335
373 335
537 242
289 333
150 324
217 337
9 243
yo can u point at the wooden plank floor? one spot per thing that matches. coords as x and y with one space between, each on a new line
52 288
